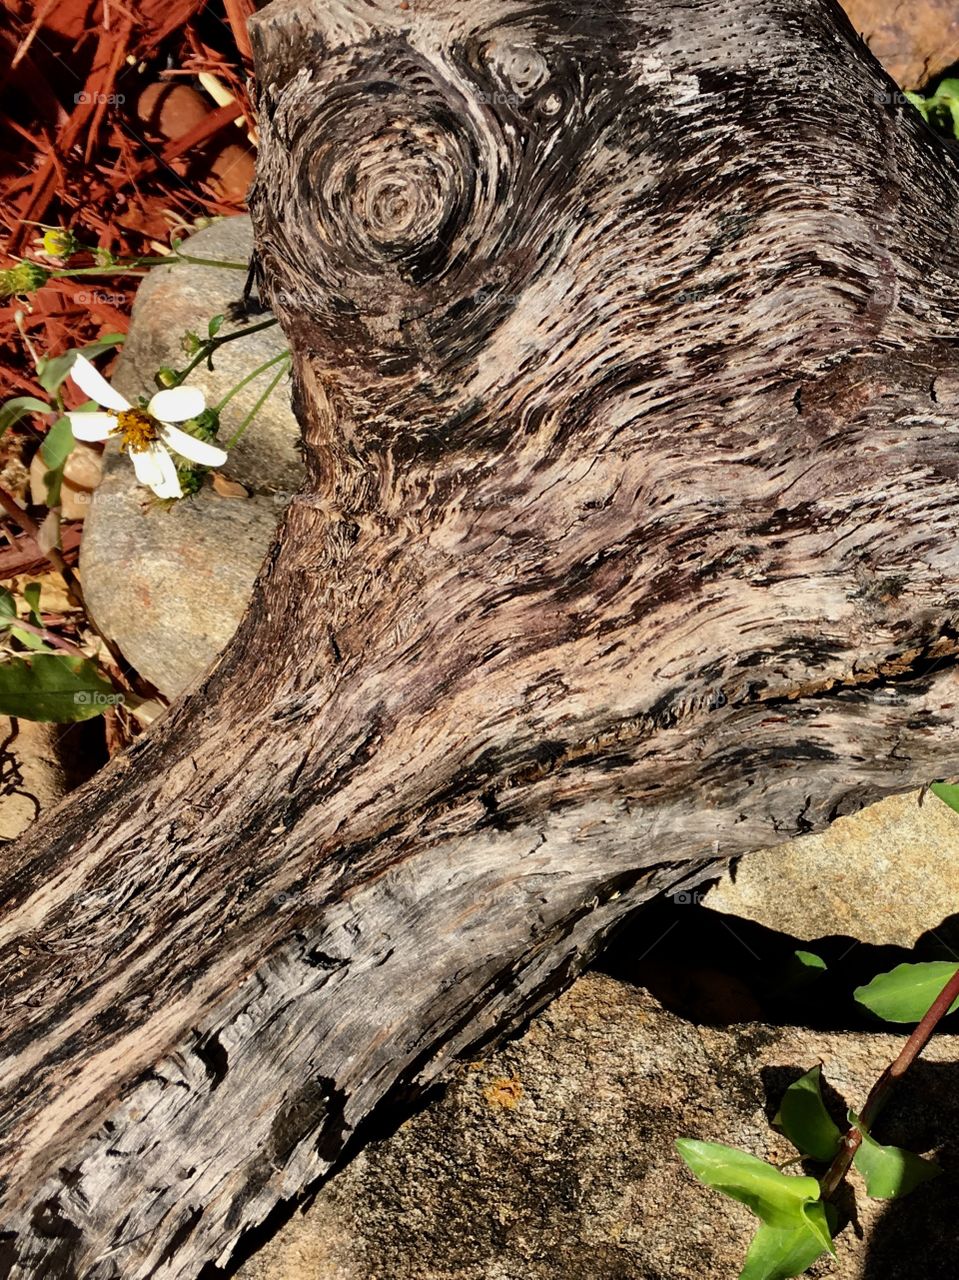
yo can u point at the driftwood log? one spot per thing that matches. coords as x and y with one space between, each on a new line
625 358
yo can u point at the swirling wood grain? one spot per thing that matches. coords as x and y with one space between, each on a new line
627 380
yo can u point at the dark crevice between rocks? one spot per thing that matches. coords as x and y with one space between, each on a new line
717 969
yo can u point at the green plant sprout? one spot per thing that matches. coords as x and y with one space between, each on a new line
940 109
796 1212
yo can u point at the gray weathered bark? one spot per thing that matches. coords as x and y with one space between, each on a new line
624 346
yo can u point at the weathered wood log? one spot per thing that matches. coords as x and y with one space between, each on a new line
624 347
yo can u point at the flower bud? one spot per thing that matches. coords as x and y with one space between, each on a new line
59 242
25 277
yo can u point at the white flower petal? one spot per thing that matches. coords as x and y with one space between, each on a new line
91 426
176 404
170 486
147 466
95 385
206 455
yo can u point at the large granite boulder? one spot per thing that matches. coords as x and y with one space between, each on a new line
171 586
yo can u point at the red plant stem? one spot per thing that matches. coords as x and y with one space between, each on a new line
879 1094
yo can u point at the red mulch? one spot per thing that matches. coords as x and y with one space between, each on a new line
81 148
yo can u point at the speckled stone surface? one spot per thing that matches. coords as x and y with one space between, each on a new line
884 875
553 1158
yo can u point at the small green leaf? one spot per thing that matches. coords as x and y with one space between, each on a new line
890 1172
777 1253
771 1195
31 593
57 444
213 328
947 792
52 371
31 641
53 687
793 974
9 615
905 993
13 410
805 1121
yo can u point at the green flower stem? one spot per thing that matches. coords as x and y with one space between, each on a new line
128 268
268 364
879 1094
208 262
212 344
139 264
261 402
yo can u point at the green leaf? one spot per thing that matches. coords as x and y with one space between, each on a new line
13 410
9 615
31 593
31 641
213 328
773 1196
54 687
890 1172
947 792
948 88
777 1253
797 972
52 371
905 993
57 445
805 1121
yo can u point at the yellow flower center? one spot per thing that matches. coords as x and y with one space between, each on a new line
137 429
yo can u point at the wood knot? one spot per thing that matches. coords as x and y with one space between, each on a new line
396 177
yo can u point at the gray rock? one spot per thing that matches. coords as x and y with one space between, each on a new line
171 586
182 296
555 1157
885 875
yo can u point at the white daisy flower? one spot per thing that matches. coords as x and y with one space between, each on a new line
147 434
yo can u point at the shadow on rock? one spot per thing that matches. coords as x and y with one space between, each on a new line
719 969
